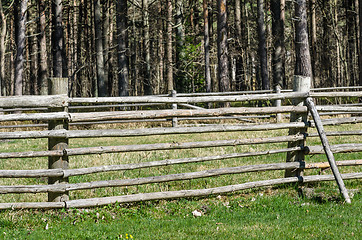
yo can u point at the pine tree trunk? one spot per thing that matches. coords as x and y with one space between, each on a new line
20 13
181 84
360 42
57 38
2 50
222 48
146 49
263 57
121 6
278 58
302 64
101 80
207 46
170 86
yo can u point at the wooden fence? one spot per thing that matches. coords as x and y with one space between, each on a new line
65 115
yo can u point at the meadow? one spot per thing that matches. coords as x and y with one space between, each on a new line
285 212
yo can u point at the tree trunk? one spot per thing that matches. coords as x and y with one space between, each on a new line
33 50
2 50
360 42
122 22
105 39
181 84
350 21
20 7
263 57
222 47
207 46
57 38
101 80
147 85
160 49
170 86
313 32
302 64
43 53
278 58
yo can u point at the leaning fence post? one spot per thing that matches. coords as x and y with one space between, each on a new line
327 149
300 84
58 86
174 107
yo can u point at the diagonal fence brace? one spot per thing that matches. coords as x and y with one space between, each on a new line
327 149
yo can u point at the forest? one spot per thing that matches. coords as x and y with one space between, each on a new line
144 47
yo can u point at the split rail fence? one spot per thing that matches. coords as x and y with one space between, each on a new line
65 116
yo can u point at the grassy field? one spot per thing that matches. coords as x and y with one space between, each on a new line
264 213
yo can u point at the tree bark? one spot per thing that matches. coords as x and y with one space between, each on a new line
43 53
147 85
263 57
20 7
57 38
350 22
170 86
101 80
222 47
207 46
122 22
181 84
2 50
302 64
278 58
360 42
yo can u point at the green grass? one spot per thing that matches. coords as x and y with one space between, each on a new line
263 213
269 214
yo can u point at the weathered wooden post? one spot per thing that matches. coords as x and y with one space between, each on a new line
278 103
58 86
327 149
174 107
300 84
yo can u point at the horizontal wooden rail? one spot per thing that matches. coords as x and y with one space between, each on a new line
340 133
132 166
151 147
93 202
153 99
165 178
97 116
34 116
338 148
34 101
146 131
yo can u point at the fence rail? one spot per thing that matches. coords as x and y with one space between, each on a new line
60 113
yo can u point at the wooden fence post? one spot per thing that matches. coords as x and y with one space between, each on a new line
327 149
174 107
300 84
58 86
278 103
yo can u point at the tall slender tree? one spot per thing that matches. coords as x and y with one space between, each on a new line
263 57
207 46
360 41
43 52
278 58
303 65
222 47
20 13
180 53
101 80
147 85
57 38
170 86
122 41
2 49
